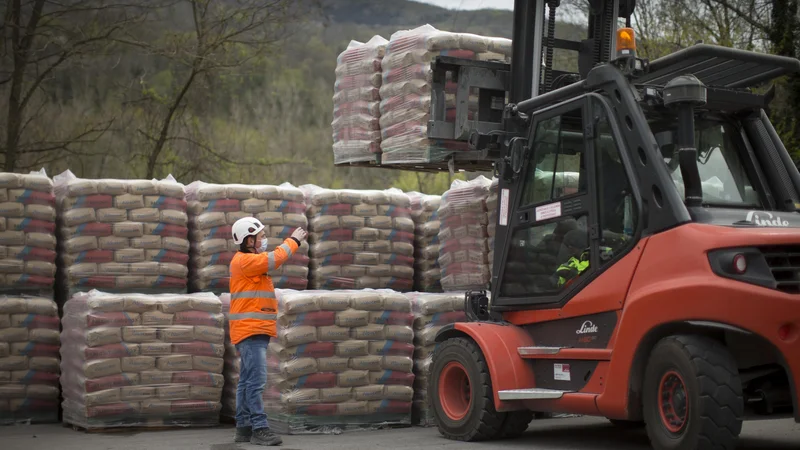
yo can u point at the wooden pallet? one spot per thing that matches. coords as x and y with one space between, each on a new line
134 429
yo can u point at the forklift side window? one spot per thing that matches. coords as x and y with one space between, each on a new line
545 259
558 167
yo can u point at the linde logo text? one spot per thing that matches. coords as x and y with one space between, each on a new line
768 221
587 327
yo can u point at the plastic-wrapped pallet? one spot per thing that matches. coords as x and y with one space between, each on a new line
360 239
134 360
491 226
356 101
29 366
214 208
27 232
122 234
232 367
425 212
463 239
406 90
432 311
342 361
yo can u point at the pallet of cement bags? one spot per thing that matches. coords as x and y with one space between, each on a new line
122 235
360 239
356 102
29 360
214 208
406 88
425 213
432 312
27 233
463 237
136 360
342 361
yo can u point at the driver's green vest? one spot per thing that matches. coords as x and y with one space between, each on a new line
576 266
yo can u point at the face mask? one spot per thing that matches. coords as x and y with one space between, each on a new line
263 247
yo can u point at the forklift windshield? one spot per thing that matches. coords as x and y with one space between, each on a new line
720 160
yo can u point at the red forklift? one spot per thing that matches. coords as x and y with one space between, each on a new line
647 252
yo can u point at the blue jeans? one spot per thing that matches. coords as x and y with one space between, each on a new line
252 381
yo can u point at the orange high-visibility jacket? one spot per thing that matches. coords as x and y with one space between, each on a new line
254 308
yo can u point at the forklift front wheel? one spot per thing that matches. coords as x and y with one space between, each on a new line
692 395
461 392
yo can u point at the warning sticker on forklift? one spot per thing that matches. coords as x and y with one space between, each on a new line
561 372
548 211
504 208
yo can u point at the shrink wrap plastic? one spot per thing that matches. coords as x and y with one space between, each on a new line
463 237
29 360
122 235
360 239
137 360
342 361
214 208
425 212
406 90
27 233
356 102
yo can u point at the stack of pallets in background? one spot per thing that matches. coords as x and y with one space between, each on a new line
360 239
342 361
463 238
29 324
425 212
122 235
214 208
136 360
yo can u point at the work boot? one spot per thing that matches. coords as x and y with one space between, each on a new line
263 436
243 434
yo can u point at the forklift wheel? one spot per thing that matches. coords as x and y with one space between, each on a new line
692 395
461 393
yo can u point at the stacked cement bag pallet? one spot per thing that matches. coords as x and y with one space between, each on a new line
356 102
463 250
27 232
214 208
137 360
360 239
406 90
122 234
491 226
432 311
342 361
425 212
29 366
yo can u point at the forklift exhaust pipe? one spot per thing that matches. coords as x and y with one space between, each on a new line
685 93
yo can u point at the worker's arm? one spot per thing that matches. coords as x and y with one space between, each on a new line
262 263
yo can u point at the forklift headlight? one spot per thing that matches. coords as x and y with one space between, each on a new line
746 264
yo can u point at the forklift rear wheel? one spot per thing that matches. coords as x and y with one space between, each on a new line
461 393
692 395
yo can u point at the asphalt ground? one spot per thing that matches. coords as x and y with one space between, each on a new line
584 433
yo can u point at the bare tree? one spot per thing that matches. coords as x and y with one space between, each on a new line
41 38
225 36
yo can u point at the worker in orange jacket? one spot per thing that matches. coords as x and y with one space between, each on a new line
252 318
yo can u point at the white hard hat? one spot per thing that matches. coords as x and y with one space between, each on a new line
246 226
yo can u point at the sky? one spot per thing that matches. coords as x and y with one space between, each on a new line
472 4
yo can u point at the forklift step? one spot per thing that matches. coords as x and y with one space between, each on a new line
531 394
585 354
530 351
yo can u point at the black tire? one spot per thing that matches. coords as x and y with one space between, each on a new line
627 424
516 424
705 371
482 422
